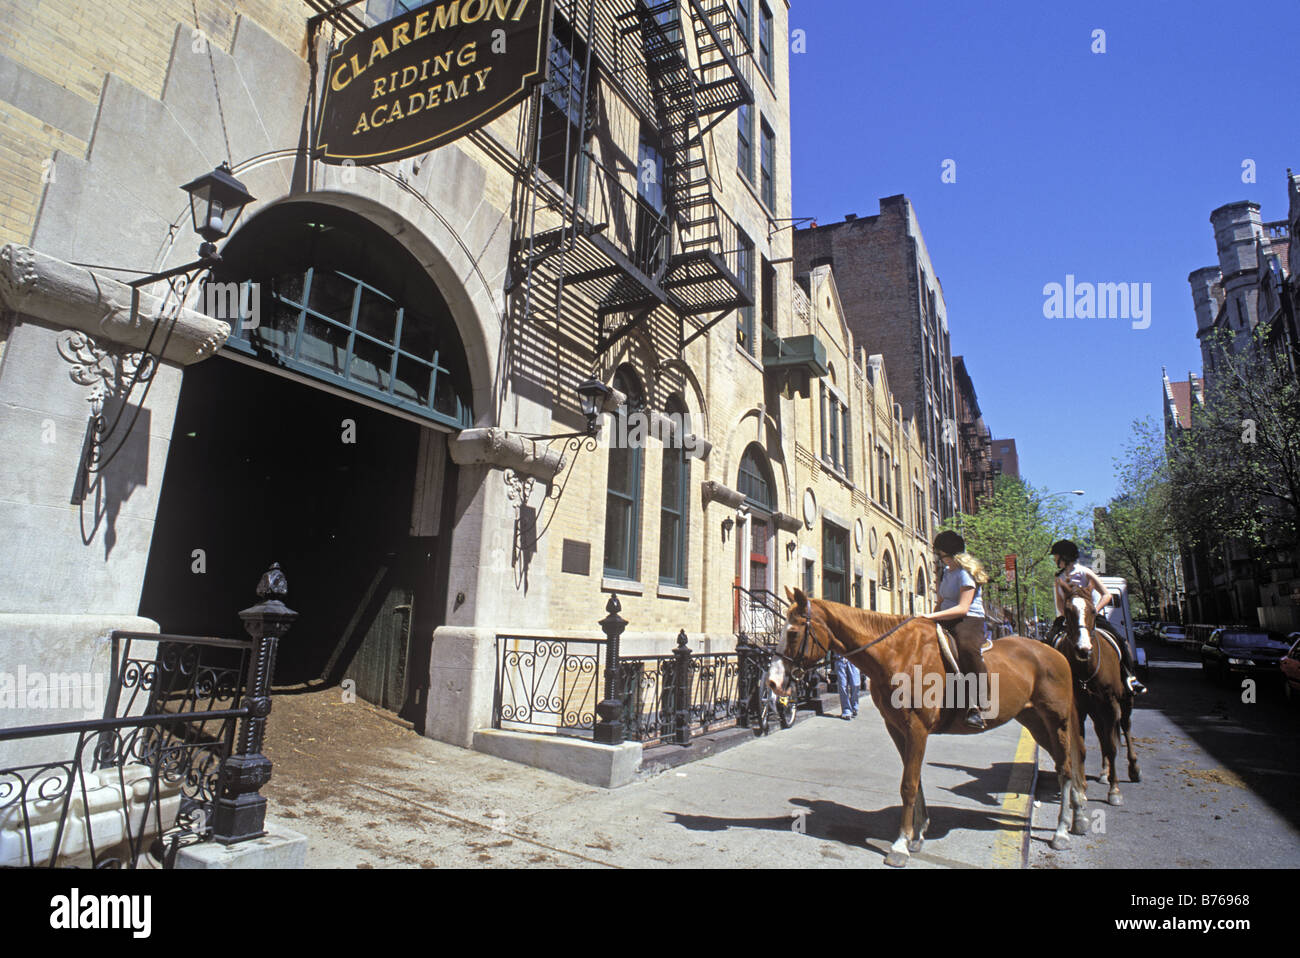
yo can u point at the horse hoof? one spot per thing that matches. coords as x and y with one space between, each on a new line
896 859
915 845
1060 843
1115 798
1080 827
1133 774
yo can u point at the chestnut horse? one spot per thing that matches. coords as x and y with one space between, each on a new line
1031 684
1099 687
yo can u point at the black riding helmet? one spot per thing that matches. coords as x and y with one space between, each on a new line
1066 549
949 543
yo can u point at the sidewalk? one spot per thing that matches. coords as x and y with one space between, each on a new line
369 793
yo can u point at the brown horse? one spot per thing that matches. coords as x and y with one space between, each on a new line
1099 687
1028 682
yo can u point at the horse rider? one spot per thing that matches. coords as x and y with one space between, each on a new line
1070 572
961 612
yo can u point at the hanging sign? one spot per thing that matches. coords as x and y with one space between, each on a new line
429 77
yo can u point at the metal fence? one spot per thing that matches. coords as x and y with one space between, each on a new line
175 760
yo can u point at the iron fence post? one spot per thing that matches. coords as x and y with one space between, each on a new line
682 690
239 812
746 668
609 721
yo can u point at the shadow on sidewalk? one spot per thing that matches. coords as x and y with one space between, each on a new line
832 821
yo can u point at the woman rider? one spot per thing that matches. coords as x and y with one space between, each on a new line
1070 572
961 612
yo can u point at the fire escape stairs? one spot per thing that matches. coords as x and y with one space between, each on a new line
697 280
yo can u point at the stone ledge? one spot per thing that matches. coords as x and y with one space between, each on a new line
505 450
72 297
608 766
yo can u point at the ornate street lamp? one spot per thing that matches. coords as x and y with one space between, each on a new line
216 200
591 396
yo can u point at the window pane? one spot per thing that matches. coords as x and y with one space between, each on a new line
617 513
670 549
280 332
417 335
370 364
377 317
332 295
413 381
324 344
288 286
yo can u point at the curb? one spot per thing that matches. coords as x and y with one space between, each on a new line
1011 848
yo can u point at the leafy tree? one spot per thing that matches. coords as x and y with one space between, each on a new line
1236 473
1022 521
1134 528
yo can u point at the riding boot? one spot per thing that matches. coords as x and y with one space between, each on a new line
970 638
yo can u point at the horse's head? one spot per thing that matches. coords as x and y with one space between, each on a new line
807 640
1080 619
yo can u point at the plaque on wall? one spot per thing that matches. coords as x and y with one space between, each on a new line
575 557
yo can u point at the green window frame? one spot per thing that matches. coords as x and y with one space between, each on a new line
765 59
745 332
767 159
333 327
673 505
623 491
835 561
745 141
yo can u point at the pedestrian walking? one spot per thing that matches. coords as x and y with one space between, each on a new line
848 679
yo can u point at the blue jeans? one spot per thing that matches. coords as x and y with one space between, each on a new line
848 680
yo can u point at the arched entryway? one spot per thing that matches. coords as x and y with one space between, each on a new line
317 439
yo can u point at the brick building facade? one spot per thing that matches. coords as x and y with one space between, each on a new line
895 306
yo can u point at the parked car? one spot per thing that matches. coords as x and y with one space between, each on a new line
1290 666
1142 629
1173 634
1243 651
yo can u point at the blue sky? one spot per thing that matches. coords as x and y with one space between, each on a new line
1101 165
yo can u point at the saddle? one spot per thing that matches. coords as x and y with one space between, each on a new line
948 649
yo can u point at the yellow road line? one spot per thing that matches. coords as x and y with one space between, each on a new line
1017 803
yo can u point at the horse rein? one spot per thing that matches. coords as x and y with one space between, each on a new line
797 671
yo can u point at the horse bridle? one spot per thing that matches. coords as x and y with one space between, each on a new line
797 671
1096 647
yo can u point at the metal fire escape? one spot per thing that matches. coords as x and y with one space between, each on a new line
614 249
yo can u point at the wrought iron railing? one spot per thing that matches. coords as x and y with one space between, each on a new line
134 789
665 696
547 684
131 786
759 616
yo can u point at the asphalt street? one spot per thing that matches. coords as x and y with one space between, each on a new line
1220 780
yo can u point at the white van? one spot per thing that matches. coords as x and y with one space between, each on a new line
1121 619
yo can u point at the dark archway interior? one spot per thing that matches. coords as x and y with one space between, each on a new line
267 468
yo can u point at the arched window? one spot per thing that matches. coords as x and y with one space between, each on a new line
674 500
623 488
756 480
755 555
887 573
340 301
